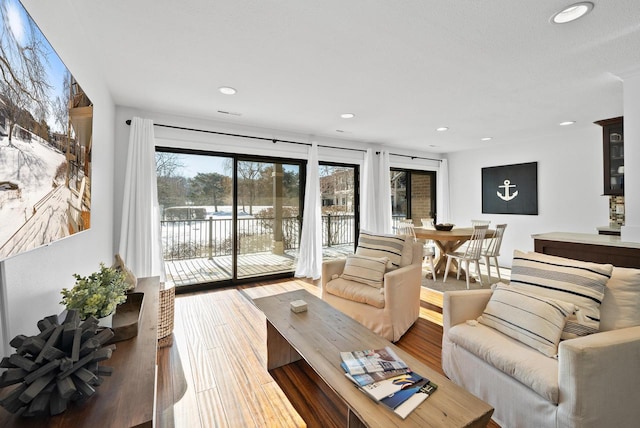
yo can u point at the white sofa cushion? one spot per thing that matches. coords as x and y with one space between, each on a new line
523 363
367 270
534 320
573 281
396 247
621 304
355 291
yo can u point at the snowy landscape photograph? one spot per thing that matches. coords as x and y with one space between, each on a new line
45 139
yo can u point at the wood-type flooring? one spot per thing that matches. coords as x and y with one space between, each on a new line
214 375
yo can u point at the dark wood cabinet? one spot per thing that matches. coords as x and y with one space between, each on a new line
613 155
589 248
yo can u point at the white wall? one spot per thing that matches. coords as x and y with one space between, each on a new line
30 283
569 187
631 89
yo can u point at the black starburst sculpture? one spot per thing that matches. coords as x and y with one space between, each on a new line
56 366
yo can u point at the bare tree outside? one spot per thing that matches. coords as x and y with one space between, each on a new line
23 84
60 106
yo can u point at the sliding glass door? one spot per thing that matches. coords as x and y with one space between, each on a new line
227 217
268 220
195 193
340 215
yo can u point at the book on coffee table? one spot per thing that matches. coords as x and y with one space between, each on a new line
371 361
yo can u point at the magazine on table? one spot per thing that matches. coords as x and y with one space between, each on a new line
372 361
369 378
397 398
414 400
385 388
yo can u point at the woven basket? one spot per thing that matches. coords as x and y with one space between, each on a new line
166 313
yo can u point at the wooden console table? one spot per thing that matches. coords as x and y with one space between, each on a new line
589 248
127 397
319 334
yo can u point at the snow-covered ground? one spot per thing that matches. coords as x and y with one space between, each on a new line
31 165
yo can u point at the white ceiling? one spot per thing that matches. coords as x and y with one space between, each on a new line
494 68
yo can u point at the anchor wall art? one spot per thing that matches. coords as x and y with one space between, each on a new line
510 189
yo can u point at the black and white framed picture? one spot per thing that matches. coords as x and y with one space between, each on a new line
510 189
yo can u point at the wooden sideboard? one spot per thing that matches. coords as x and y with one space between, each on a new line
589 248
127 397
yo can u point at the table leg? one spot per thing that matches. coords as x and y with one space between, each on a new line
279 351
446 247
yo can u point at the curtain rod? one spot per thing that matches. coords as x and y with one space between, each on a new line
273 140
413 157
276 140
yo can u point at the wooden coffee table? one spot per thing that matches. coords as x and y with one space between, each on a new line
319 334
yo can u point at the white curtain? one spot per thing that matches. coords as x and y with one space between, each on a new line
368 217
384 218
140 238
442 203
309 262
375 198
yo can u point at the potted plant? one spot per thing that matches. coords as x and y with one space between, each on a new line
97 294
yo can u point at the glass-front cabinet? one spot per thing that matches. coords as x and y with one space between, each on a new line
613 150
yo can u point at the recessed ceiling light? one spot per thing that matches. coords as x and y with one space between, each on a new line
566 123
571 13
486 139
347 115
227 90
442 129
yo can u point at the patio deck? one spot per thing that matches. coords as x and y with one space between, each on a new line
201 270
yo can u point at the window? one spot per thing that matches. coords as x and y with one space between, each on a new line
413 194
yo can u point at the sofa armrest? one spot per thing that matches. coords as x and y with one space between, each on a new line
460 306
402 287
598 377
330 268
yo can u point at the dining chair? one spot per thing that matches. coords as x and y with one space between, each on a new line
480 222
470 254
492 250
406 227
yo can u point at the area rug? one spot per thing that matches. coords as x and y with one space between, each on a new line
451 284
460 284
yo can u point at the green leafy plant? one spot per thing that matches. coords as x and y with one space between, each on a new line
97 294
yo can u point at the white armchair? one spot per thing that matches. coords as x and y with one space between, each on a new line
397 305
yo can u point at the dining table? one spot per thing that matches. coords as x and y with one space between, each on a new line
447 241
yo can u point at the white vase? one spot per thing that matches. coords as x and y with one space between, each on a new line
106 321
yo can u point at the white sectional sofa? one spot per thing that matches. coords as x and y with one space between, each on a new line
593 381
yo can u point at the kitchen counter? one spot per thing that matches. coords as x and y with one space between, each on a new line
608 230
589 247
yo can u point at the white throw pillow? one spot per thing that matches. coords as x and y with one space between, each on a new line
621 305
568 280
534 320
367 270
394 247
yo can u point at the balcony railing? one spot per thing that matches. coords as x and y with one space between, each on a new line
190 239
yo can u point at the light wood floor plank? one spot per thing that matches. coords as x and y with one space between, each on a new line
238 411
212 409
214 374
